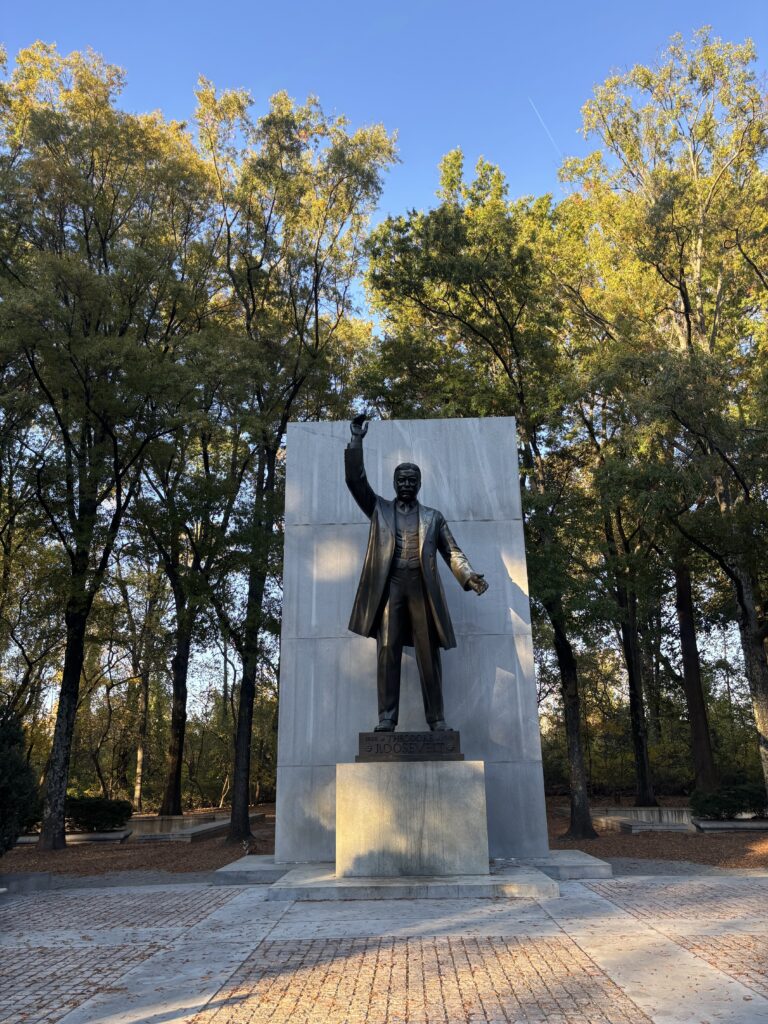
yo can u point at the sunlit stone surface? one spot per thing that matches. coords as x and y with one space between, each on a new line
430 819
328 675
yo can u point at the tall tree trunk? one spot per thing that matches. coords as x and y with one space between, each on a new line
626 601
630 642
179 671
100 774
580 826
76 619
701 743
581 820
263 521
650 673
138 784
239 822
753 631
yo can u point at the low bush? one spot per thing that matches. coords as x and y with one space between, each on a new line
729 801
19 800
96 814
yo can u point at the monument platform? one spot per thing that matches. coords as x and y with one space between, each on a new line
328 674
263 869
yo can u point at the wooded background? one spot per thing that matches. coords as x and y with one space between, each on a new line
172 295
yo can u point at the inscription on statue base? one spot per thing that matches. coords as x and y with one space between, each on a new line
441 745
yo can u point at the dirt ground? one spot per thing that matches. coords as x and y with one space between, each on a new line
730 850
725 850
105 858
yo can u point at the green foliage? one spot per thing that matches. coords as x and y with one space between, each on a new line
729 802
19 799
97 814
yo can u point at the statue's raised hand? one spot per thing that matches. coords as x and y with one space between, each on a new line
478 583
359 427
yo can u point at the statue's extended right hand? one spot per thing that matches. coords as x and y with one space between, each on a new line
359 426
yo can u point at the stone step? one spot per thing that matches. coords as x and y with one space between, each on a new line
315 882
208 830
630 826
566 865
734 825
120 835
253 869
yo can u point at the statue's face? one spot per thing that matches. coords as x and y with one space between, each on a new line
407 484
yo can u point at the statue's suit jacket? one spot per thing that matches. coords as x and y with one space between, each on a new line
434 536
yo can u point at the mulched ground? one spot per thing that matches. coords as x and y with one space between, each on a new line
734 850
726 850
105 858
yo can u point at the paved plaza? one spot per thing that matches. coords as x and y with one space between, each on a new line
682 949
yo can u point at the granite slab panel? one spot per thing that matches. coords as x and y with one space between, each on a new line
517 815
469 467
323 563
305 814
486 687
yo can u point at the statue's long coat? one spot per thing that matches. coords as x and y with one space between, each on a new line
434 536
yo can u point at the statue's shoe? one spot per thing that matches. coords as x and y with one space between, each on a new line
385 727
440 727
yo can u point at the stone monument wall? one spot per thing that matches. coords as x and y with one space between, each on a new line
328 675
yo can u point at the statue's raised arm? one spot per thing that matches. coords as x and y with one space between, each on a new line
354 467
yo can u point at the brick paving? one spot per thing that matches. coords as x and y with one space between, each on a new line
697 899
743 957
223 955
100 909
420 981
40 987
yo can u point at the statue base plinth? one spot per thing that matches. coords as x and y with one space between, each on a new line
440 745
400 818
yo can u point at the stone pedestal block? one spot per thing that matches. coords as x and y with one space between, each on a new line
411 818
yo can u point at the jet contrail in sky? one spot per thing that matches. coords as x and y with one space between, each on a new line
543 125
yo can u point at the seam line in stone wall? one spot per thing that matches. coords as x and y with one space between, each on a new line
523 631
333 764
356 522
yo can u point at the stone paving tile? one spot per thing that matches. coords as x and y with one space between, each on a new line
341 919
420 981
743 957
91 909
704 899
41 986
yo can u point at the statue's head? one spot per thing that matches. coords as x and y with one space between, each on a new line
407 481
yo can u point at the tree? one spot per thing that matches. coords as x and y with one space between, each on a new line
99 274
18 789
143 594
674 209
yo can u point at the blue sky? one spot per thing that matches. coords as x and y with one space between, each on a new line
443 74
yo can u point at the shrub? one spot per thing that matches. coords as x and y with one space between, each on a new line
19 799
729 801
96 814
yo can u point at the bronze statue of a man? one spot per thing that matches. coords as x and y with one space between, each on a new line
400 598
